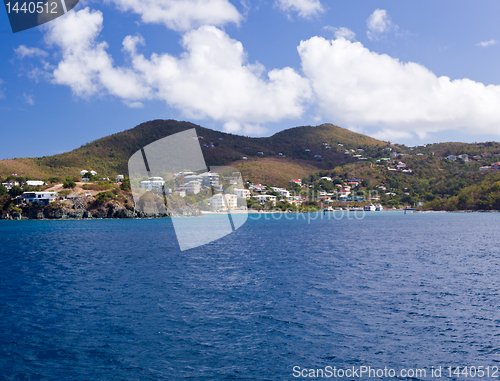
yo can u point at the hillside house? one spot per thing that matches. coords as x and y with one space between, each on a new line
263 198
34 183
9 184
39 198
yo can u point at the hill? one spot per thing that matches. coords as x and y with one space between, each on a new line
295 152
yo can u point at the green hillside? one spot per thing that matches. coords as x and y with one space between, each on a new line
109 155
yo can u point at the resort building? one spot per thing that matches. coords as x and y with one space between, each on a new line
207 179
242 193
154 184
193 187
223 201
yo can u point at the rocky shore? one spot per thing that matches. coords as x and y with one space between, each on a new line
69 211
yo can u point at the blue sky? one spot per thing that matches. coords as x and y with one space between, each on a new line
409 72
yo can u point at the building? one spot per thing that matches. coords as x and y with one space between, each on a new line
193 187
258 188
223 202
495 165
242 193
464 157
34 183
451 157
119 178
39 198
154 184
9 184
282 192
296 181
207 179
263 198
83 172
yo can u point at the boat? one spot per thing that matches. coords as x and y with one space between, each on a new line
369 208
379 208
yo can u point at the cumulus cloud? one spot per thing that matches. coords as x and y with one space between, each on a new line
378 24
23 51
182 15
484 44
358 88
85 66
342 32
305 8
211 79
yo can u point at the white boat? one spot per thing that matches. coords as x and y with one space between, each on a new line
379 208
369 208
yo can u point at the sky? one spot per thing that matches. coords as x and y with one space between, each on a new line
407 72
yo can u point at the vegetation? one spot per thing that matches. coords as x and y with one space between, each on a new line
306 153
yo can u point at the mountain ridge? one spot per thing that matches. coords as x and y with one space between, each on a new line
109 155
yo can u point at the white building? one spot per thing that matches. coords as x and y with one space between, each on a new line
223 201
207 179
153 184
40 198
191 187
119 178
242 193
10 184
34 183
263 198
282 191
83 172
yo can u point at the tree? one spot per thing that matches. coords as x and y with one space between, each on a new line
3 190
15 191
125 185
69 184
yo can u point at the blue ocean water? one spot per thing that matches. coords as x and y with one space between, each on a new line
118 300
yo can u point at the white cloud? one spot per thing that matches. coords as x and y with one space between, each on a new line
244 128
358 88
305 8
85 66
484 44
133 104
211 79
28 99
23 51
2 95
182 15
342 32
379 23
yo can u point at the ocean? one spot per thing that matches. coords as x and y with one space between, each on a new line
277 299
